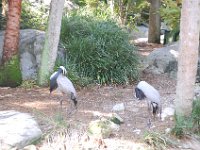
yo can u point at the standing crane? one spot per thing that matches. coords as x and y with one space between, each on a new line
58 81
145 90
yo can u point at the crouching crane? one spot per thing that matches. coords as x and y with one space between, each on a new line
59 81
145 90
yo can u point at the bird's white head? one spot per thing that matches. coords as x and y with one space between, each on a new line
64 71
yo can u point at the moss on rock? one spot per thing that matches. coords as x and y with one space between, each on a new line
10 73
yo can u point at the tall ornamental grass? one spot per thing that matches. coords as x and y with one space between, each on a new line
99 49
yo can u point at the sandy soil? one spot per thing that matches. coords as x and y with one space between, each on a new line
93 102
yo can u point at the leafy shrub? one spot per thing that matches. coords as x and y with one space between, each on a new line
33 16
2 22
196 116
99 49
188 124
171 13
72 74
28 84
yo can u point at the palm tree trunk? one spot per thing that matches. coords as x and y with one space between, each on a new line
11 39
10 69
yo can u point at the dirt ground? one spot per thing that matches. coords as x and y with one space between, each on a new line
93 102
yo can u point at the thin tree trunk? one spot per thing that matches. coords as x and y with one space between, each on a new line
10 73
188 56
51 41
122 12
111 4
4 8
11 39
154 22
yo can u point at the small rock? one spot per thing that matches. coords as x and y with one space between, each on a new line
168 130
169 111
137 131
102 128
128 125
119 107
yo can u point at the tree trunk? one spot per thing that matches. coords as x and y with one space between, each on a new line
122 12
188 56
154 22
10 69
11 40
4 8
111 5
51 41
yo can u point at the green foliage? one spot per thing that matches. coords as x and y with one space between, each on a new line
156 140
183 126
2 22
138 13
188 124
79 2
99 49
10 73
28 84
34 17
92 3
196 116
72 74
171 13
101 11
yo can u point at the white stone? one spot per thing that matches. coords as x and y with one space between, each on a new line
168 111
137 131
17 129
118 107
167 130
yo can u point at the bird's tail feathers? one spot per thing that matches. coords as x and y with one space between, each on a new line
73 98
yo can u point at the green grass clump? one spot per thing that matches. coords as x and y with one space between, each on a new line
99 49
29 84
183 126
157 141
188 125
10 73
196 116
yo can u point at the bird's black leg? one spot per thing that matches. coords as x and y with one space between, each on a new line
61 103
149 111
73 98
74 105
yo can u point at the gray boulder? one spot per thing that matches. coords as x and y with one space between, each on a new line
30 49
17 130
140 32
163 60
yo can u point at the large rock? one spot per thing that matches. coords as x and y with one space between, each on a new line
30 49
140 33
164 61
17 129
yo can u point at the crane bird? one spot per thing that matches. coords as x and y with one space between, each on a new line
58 81
145 90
